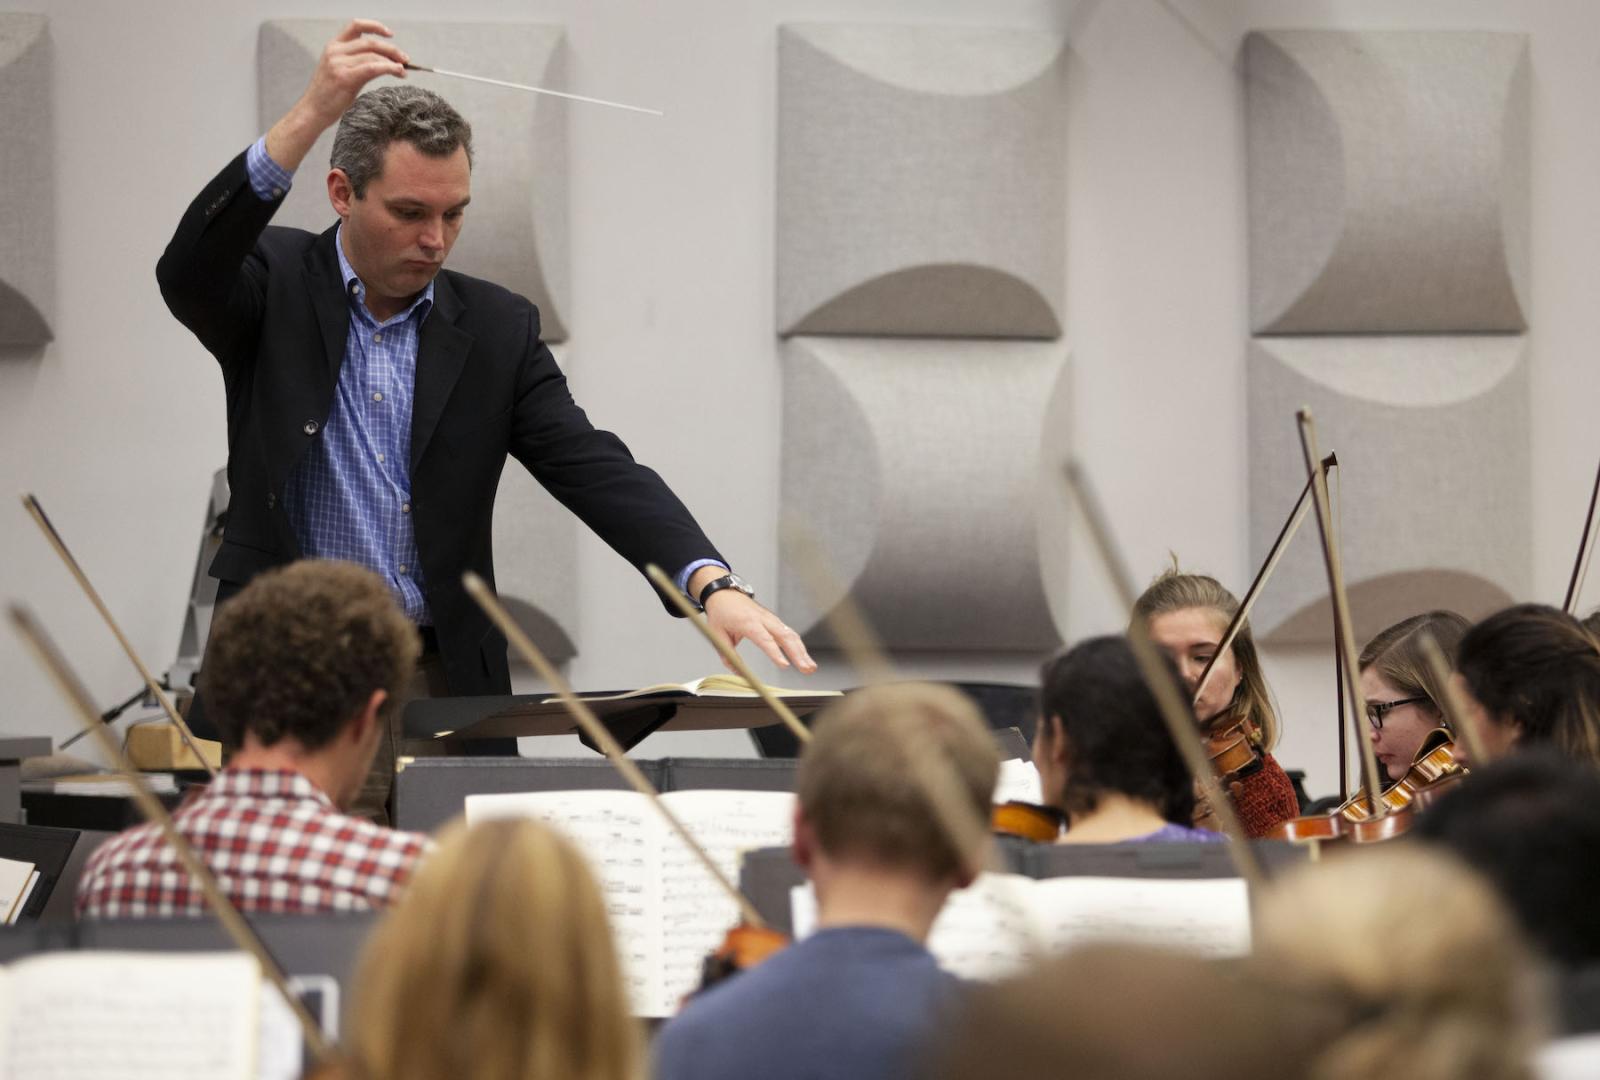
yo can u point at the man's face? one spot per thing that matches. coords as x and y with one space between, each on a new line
398 233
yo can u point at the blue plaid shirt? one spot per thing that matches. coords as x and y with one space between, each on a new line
350 496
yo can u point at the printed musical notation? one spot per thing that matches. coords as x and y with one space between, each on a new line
667 913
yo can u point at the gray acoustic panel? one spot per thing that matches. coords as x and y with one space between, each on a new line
536 561
927 470
921 181
1388 181
516 229
27 181
1433 439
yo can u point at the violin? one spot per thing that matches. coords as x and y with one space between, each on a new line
1234 756
1027 821
1434 771
742 948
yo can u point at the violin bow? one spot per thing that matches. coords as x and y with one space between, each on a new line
36 511
1178 715
1291 525
601 736
233 923
965 831
1580 568
1454 709
729 654
1345 642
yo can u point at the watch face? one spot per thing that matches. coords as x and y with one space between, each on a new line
741 584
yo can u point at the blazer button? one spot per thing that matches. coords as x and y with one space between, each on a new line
310 428
272 501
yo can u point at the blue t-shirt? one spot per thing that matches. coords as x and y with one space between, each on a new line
846 1002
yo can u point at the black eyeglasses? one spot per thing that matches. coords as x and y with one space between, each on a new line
1377 710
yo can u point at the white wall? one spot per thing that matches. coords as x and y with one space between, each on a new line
118 424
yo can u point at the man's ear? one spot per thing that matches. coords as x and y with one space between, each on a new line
340 192
804 846
367 719
1057 746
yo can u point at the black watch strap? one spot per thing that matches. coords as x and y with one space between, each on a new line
726 581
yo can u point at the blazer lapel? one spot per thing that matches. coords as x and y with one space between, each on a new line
329 301
442 349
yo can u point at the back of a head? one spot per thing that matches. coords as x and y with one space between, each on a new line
1418 955
1174 591
1531 825
1117 738
861 795
497 964
1131 1012
301 649
390 114
1397 652
1536 666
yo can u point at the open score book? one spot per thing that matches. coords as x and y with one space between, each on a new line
666 911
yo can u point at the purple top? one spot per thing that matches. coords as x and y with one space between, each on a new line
1177 834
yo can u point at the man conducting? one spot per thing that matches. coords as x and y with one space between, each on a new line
374 396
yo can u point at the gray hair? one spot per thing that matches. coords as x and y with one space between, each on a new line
379 117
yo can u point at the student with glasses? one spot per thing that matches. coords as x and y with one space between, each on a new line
1402 696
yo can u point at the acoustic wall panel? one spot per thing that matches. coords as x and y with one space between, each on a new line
1388 181
27 182
927 469
516 229
1433 442
536 561
921 181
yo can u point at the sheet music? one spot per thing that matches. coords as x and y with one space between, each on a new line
695 911
282 1047
1019 782
15 877
130 1016
1209 916
988 930
616 831
22 901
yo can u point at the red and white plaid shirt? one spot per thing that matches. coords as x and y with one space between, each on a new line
275 842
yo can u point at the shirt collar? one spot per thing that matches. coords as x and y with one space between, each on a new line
356 289
265 784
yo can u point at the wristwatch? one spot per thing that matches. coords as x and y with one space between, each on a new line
726 581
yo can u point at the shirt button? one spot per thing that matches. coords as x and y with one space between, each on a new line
404 568
380 458
378 396
310 428
377 337
277 192
405 508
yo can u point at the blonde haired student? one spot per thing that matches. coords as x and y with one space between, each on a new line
497 964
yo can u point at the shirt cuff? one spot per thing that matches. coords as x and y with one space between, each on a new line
269 180
688 572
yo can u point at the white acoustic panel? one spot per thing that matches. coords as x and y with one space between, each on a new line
516 228
536 561
921 181
1432 435
27 182
928 472
1388 181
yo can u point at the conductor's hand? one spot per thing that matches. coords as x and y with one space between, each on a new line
357 55
737 617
